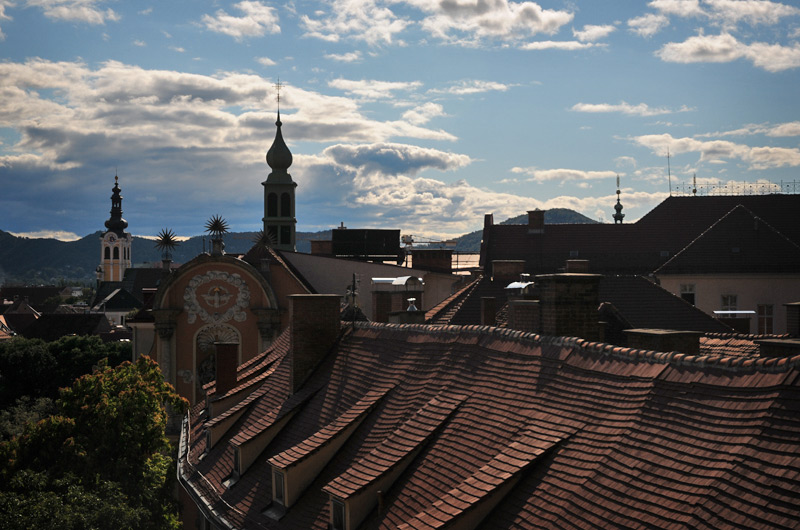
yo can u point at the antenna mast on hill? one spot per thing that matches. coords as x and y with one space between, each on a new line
669 174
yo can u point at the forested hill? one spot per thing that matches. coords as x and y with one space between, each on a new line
49 261
472 242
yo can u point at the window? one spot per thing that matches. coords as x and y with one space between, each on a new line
337 515
286 205
107 254
116 252
272 234
729 302
278 487
272 205
764 313
687 292
573 253
286 235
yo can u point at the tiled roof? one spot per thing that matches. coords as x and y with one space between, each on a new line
740 242
633 248
549 432
53 326
644 304
733 344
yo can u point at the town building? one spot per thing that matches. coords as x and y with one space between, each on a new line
115 243
372 425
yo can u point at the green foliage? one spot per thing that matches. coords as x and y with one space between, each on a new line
105 451
33 368
25 410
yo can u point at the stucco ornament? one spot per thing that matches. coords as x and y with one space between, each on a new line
207 301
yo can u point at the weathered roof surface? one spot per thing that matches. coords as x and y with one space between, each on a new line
573 434
740 242
644 304
635 248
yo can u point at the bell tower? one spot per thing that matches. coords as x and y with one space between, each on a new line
279 190
115 243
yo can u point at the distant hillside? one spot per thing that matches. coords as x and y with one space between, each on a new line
48 261
472 242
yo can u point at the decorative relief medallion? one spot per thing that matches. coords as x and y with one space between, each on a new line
215 298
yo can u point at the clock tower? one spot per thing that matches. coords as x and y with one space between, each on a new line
115 243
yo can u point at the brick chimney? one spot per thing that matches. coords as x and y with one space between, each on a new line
664 340
536 221
569 305
488 310
227 361
507 269
313 329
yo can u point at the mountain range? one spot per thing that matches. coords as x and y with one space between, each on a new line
26 261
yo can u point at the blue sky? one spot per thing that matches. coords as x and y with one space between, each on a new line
410 114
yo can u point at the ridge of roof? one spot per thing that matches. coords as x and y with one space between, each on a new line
453 301
725 362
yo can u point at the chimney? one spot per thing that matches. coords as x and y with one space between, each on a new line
793 319
488 310
578 266
664 340
227 354
778 347
524 315
313 329
536 221
507 269
569 305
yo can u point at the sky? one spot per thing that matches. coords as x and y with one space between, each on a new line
421 115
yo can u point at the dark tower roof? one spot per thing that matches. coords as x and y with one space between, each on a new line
116 223
279 157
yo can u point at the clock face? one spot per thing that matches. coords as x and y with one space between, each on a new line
112 237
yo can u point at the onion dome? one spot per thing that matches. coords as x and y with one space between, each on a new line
279 157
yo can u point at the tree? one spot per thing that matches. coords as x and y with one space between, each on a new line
106 442
34 368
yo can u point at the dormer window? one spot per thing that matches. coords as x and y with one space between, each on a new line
278 488
337 515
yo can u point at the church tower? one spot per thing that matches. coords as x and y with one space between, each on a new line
115 243
279 189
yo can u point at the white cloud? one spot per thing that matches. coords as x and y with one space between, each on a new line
175 132
469 21
641 109
177 49
563 175
88 11
265 61
754 12
363 20
475 86
350 57
713 151
785 129
424 113
622 161
139 43
61 235
3 16
373 89
681 8
558 45
725 48
147 11
648 25
592 33
258 19
455 21
780 130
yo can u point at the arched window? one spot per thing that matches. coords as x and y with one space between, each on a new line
116 252
107 254
272 205
286 205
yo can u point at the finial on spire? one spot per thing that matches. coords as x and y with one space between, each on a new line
619 216
278 86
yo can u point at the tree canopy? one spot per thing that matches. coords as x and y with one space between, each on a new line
102 461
